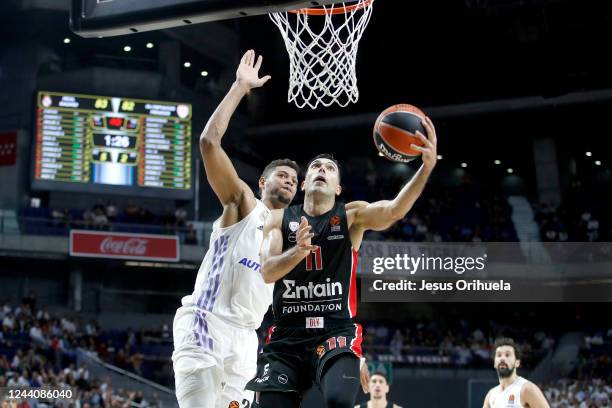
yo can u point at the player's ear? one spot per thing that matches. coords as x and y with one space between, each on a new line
338 189
262 182
303 185
518 363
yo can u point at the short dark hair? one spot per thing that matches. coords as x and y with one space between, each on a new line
277 163
328 156
507 341
380 373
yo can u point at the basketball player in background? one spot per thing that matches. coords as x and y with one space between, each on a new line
215 344
310 251
378 388
512 390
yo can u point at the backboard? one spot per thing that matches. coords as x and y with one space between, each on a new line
104 18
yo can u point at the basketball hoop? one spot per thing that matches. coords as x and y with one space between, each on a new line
322 51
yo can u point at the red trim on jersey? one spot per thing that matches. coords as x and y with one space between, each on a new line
353 285
318 259
309 262
270 331
356 342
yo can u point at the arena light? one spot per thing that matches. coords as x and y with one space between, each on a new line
150 45
127 48
588 154
204 73
187 64
439 157
380 154
464 165
510 170
497 162
597 163
66 40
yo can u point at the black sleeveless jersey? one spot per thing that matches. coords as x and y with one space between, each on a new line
323 285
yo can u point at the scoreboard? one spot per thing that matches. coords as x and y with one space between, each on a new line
113 145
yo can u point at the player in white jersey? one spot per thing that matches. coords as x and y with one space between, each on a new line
513 391
215 344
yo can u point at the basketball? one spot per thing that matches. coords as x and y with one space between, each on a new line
395 131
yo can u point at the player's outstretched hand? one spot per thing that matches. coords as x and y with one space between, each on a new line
247 74
304 237
429 152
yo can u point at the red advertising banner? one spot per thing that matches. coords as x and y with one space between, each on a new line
147 247
8 148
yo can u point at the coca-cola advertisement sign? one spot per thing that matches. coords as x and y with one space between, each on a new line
146 247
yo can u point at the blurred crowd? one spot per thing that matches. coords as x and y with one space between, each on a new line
38 349
465 213
431 342
568 393
466 345
583 215
572 224
108 216
590 385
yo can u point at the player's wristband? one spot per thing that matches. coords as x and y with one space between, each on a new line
361 362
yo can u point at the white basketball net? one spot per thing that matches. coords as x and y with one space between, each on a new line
322 52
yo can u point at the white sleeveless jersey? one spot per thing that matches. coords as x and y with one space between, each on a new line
229 284
508 398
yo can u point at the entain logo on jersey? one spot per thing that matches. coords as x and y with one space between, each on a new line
317 293
311 291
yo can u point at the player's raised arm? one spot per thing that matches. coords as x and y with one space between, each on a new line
532 396
382 214
275 263
220 171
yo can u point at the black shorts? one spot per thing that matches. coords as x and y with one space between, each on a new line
293 358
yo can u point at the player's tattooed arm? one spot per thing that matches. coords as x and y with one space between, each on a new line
532 397
220 171
381 215
275 263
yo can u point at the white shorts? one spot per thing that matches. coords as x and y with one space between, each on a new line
212 361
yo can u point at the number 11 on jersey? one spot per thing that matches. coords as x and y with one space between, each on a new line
318 260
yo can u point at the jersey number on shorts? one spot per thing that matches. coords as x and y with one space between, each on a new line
331 342
318 260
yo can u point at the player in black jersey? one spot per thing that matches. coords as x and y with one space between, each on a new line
379 388
310 252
